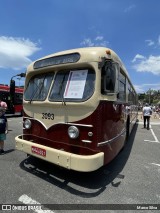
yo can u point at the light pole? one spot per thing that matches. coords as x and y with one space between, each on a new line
12 90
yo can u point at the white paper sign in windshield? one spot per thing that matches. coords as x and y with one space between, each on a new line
76 84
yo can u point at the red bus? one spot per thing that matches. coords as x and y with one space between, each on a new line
14 105
79 108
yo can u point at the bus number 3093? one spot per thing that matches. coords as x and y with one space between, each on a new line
49 116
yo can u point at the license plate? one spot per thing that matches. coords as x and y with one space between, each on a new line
38 151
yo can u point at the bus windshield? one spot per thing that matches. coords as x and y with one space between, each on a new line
73 85
38 87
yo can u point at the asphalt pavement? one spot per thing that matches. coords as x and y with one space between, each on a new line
130 181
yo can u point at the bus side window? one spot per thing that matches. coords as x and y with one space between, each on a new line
108 79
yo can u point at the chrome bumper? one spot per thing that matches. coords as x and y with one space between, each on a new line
83 163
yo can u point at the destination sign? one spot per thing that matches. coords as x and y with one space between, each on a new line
62 59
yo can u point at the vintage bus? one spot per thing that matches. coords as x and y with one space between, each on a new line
79 108
14 102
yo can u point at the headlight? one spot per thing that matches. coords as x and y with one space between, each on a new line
27 124
73 132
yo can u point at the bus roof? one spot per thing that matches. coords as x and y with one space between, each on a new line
86 54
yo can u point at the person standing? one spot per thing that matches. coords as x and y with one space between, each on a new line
147 112
3 105
3 129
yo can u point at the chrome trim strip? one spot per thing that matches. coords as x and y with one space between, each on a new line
111 140
85 125
73 124
86 141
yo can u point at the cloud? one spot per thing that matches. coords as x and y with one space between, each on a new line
153 43
139 88
145 87
138 56
99 38
97 41
150 42
150 64
15 52
128 9
87 42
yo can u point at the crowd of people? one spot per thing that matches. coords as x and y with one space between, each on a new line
156 111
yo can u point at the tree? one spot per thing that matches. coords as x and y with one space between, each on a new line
151 97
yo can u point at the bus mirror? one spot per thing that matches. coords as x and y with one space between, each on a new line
118 95
108 78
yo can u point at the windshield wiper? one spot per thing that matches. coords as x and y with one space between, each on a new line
63 99
34 92
37 87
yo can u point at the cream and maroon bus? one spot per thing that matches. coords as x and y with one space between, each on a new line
79 108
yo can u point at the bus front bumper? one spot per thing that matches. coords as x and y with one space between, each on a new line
83 163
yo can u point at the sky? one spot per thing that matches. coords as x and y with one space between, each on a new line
31 29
